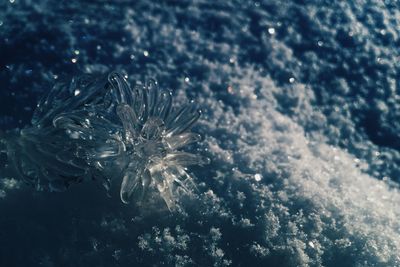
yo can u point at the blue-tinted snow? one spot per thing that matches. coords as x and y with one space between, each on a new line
301 113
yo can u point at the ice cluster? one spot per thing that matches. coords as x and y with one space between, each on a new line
98 127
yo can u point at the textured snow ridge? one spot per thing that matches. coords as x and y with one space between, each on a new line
300 120
313 204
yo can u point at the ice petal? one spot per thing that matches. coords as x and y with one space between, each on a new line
111 148
181 140
152 96
166 191
146 180
140 106
163 106
129 120
131 182
185 159
183 119
121 88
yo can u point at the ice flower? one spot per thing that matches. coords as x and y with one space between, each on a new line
101 128
154 133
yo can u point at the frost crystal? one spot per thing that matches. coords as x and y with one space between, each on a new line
99 127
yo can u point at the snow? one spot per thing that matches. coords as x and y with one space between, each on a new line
301 126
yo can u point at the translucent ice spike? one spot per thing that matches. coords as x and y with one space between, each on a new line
101 128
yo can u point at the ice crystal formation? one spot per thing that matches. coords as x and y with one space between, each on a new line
100 127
